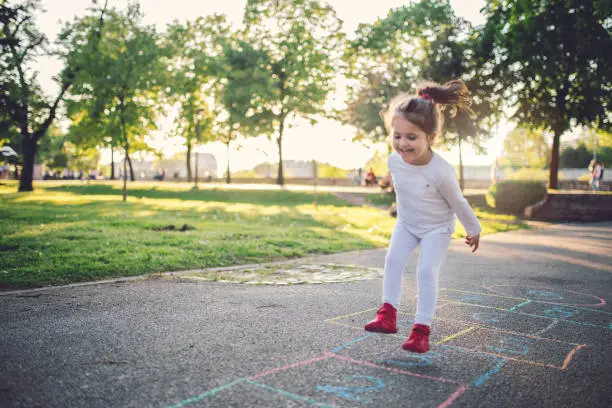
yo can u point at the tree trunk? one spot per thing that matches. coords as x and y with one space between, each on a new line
29 147
461 180
280 179
127 150
228 177
188 161
124 190
131 168
554 161
112 175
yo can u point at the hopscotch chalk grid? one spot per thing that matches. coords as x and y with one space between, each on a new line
510 323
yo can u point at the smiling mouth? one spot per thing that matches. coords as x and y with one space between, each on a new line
407 151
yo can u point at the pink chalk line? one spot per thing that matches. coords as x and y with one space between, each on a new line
301 363
453 397
394 370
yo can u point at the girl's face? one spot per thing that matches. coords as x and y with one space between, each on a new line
410 141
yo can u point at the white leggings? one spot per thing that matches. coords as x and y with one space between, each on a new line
434 247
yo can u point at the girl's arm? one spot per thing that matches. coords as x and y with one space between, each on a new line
449 188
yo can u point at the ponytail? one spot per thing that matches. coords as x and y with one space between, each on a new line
424 109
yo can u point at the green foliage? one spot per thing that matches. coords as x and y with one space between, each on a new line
247 86
194 52
243 87
118 87
511 197
553 59
576 157
325 170
524 147
51 149
56 151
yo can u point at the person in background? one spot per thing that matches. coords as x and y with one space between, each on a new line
496 173
596 169
370 178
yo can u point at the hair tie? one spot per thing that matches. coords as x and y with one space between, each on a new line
426 97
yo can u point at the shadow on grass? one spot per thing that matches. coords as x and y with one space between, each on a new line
264 197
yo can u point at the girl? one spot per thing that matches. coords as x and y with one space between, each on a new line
428 197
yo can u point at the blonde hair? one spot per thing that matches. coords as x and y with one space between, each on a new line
424 109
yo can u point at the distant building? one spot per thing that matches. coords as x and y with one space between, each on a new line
475 172
291 169
143 170
177 168
173 168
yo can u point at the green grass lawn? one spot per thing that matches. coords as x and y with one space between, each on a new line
72 232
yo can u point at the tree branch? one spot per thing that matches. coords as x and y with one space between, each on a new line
43 128
28 48
18 25
68 82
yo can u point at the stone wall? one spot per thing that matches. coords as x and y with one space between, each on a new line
605 185
572 207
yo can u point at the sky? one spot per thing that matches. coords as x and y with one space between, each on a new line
327 141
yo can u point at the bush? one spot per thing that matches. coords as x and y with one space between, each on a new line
512 196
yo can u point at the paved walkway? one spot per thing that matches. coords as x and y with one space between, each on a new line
525 322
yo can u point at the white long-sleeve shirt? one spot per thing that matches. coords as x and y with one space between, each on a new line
429 197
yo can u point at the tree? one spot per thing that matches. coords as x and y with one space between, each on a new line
302 38
123 80
195 49
241 93
526 147
24 104
553 63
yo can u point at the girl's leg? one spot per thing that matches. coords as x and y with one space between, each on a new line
402 244
433 252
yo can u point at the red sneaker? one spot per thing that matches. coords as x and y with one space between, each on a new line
385 321
418 341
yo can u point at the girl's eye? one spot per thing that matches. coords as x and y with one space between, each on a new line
412 137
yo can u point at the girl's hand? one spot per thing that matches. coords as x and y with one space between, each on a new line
472 241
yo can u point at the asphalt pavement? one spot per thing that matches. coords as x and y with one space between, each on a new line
524 322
